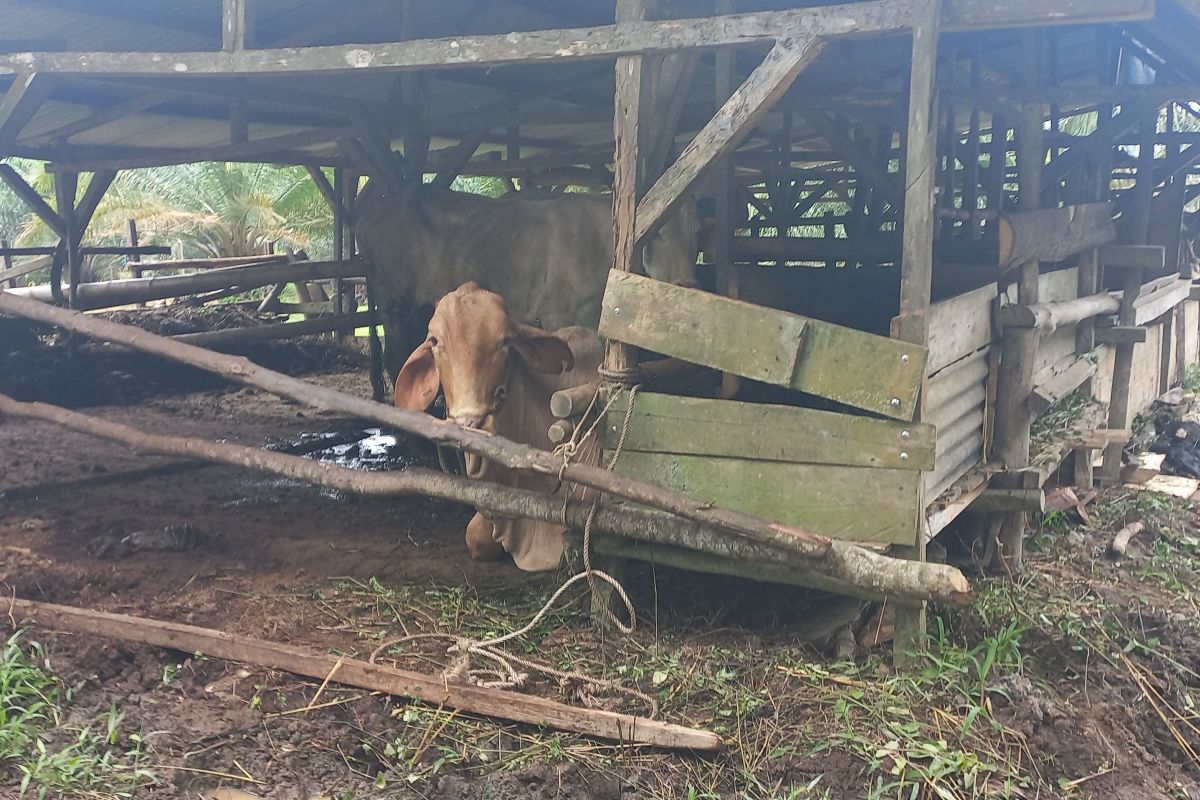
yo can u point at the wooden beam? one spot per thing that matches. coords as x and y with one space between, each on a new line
864 163
1120 334
605 41
22 100
92 196
732 123
33 200
1151 258
237 25
451 164
1046 317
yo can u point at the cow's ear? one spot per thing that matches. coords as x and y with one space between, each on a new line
542 351
418 381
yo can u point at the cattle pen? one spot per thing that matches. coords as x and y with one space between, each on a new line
927 224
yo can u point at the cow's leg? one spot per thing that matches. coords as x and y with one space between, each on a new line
481 539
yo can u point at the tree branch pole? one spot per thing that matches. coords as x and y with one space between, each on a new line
502 451
876 574
431 689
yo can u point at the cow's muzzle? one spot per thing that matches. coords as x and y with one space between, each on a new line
474 421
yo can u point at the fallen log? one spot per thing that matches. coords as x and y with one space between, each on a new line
232 338
431 689
502 451
849 564
107 294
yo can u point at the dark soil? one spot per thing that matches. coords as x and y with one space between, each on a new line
290 563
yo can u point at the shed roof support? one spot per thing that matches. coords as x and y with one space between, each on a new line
22 100
603 41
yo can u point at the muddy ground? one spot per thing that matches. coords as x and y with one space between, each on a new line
1076 682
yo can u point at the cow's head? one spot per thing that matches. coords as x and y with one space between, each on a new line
470 353
670 252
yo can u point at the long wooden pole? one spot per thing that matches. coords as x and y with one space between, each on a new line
502 451
431 689
1014 413
852 568
916 274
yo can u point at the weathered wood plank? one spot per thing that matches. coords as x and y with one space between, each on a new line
1120 334
1133 256
870 372
757 431
848 503
1014 13
1054 384
959 326
703 328
1151 305
726 129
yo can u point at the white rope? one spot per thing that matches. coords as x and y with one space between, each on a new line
504 674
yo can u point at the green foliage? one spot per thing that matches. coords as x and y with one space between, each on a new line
94 762
1191 378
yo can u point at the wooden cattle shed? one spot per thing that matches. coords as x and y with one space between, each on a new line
929 220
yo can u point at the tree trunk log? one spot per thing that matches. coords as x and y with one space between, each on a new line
848 563
107 294
502 451
1048 316
1052 234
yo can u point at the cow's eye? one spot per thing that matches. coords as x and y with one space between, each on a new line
433 341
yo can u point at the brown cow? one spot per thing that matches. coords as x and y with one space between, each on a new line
548 256
498 375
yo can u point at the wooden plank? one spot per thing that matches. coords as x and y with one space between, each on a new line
849 503
1151 305
1049 389
757 431
1173 485
959 326
32 265
728 127
432 689
703 328
1120 334
957 14
22 100
870 372
1133 256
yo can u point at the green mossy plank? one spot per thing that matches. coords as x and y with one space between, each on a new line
664 423
850 503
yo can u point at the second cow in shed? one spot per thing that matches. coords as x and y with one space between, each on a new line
498 375
549 257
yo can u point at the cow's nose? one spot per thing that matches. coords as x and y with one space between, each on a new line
471 420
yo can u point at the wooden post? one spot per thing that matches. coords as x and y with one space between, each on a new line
237 25
66 184
13 283
916 274
1138 231
628 181
1013 413
727 275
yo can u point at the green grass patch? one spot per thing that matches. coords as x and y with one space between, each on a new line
51 758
